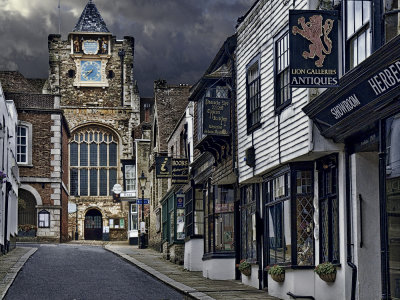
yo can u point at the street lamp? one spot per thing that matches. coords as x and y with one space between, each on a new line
142 182
76 217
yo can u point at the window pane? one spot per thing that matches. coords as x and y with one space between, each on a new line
73 148
93 182
103 182
113 154
83 182
103 154
84 154
350 18
74 182
93 154
358 15
113 177
224 232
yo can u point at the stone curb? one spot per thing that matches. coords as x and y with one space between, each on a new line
187 290
13 272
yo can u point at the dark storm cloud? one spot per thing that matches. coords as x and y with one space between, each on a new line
174 39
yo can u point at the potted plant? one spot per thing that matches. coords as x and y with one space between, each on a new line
326 271
27 230
244 267
3 177
277 273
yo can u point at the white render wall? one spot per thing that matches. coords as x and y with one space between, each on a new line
219 268
194 249
255 37
251 280
365 181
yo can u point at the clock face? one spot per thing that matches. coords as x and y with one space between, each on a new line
90 70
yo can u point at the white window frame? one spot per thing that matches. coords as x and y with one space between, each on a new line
28 145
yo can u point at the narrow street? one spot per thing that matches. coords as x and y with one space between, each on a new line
64 271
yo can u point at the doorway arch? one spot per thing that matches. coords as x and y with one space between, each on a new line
93 225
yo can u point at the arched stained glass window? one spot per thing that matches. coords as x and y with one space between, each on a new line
93 162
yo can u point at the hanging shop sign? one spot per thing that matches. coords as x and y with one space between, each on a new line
180 170
180 201
163 167
313 48
216 116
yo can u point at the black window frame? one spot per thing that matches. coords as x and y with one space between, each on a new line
249 207
253 102
210 215
190 212
366 28
291 194
278 73
43 212
328 166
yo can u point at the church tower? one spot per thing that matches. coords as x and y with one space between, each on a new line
92 71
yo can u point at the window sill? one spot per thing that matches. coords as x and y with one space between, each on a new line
216 255
253 128
280 108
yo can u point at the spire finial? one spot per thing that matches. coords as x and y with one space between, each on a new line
90 1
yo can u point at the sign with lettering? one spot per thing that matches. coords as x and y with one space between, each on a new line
180 201
180 170
365 90
216 116
313 48
163 167
90 47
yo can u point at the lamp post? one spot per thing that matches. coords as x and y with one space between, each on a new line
76 217
142 182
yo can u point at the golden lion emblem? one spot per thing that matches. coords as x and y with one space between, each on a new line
312 31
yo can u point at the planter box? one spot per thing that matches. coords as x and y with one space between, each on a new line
30 233
246 271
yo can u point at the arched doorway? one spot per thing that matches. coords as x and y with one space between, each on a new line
27 216
93 225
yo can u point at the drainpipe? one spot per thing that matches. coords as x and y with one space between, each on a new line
385 284
6 241
348 226
121 54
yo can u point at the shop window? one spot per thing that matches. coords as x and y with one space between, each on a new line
44 219
194 212
358 35
393 202
93 162
249 199
134 217
165 227
253 94
219 219
282 87
328 209
290 232
116 223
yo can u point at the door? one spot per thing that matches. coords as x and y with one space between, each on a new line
93 225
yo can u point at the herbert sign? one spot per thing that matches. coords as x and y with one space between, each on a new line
163 167
216 116
313 47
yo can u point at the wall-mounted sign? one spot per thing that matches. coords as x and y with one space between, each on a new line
90 47
180 170
313 48
216 116
163 167
180 201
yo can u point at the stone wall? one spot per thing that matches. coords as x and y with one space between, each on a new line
177 253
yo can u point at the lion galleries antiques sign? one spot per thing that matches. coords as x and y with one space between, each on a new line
314 48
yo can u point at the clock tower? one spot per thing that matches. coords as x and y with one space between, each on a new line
92 71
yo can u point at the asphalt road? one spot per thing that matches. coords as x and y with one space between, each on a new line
66 271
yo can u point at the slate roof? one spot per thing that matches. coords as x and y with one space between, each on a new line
90 20
14 81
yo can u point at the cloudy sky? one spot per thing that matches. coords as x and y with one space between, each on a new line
175 39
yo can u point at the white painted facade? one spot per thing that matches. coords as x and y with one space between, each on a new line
8 165
288 136
194 250
219 269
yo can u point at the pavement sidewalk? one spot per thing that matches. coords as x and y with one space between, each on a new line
11 264
192 284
